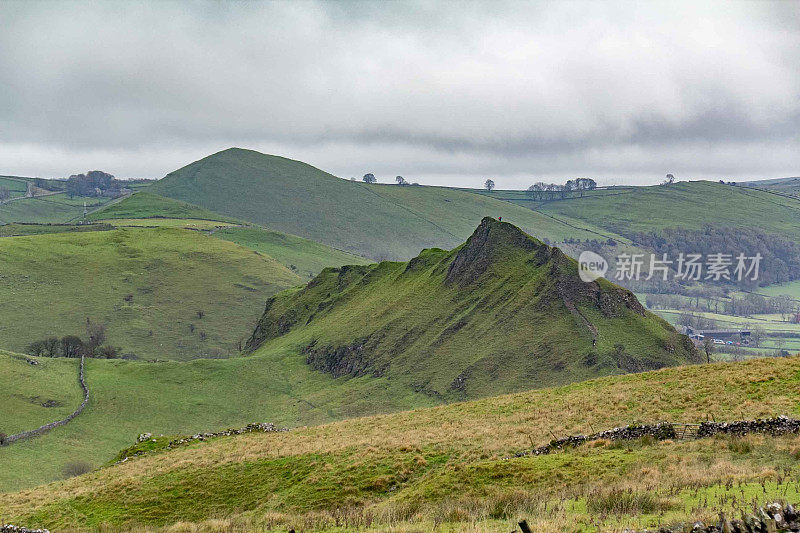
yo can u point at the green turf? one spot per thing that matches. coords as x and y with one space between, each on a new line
34 395
131 397
147 285
14 229
374 221
146 205
306 258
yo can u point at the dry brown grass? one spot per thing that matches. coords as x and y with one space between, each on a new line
492 428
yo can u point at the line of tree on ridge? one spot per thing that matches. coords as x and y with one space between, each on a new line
551 191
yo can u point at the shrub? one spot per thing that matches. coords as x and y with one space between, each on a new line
35 349
627 502
107 352
3 438
740 445
72 346
76 468
52 346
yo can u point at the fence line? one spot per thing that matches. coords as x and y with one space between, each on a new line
47 427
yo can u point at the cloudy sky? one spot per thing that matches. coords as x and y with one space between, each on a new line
446 93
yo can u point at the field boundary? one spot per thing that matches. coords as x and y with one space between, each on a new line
47 427
779 425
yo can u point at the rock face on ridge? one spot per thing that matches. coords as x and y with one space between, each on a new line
500 313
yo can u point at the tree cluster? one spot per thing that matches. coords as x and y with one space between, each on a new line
73 346
93 183
551 191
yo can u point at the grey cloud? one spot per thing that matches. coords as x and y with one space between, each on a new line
448 92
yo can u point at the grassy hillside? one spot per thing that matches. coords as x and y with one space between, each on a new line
147 285
131 397
781 185
375 221
14 229
306 258
15 185
147 205
688 205
507 331
453 467
55 208
34 395
503 312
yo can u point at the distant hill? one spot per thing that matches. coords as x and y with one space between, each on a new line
781 185
146 285
375 221
689 205
502 312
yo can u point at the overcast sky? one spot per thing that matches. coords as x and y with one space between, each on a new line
440 93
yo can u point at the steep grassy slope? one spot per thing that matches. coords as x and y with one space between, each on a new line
147 285
453 466
147 205
503 312
375 221
685 205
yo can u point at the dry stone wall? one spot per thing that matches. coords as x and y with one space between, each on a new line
47 427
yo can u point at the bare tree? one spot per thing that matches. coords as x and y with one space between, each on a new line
670 179
96 335
708 347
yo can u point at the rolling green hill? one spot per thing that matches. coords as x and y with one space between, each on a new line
146 285
374 221
148 205
689 205
781 185
453 468
302 256
503 312
49 209
491 316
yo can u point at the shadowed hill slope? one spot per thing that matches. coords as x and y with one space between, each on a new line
376 221
503 312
